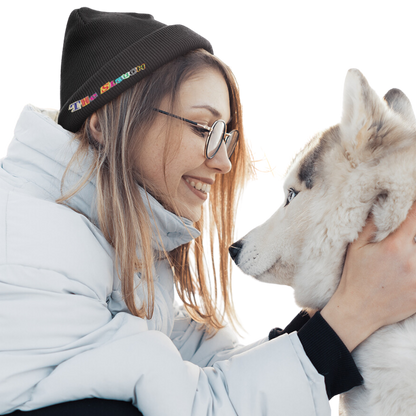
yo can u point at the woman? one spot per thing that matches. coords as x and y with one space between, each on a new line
104 214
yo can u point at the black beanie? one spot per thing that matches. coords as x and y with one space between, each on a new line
104 54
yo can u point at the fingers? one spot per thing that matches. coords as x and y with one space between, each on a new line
407 228
367 233
406 231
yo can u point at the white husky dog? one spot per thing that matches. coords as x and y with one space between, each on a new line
367 163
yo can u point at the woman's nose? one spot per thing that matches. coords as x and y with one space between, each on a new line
220 161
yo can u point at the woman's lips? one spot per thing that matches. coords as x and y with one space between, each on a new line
199 194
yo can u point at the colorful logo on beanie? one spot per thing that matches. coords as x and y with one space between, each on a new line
77 105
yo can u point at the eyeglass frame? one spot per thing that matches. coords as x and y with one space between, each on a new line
209 129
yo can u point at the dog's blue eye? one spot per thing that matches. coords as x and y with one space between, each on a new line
291 195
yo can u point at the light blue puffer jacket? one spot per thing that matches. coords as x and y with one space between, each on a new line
66 334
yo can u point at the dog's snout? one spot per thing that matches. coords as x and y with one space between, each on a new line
235 250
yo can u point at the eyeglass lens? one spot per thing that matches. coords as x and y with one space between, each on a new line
217 134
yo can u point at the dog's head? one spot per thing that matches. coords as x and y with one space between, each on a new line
331 186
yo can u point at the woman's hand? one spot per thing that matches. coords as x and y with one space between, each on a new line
378 283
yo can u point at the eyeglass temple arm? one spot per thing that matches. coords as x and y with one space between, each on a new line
183 119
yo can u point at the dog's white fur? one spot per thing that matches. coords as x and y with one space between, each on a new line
365 163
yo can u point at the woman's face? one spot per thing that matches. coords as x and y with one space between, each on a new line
203 99
186 175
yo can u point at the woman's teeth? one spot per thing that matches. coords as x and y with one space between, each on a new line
203 187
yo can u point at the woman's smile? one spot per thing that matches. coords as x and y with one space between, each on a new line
200 194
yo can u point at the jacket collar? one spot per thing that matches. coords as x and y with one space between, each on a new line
39 153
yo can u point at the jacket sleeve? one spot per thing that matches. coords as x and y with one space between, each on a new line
325 349
96 355
196 346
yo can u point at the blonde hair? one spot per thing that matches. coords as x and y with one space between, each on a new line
122 215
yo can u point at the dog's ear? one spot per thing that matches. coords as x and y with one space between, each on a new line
361 107
357 99
368 127
399 103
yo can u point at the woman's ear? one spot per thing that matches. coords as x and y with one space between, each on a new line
95 129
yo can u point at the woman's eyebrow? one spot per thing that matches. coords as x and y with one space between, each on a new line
212 110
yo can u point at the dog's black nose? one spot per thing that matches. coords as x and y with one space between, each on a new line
235 250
